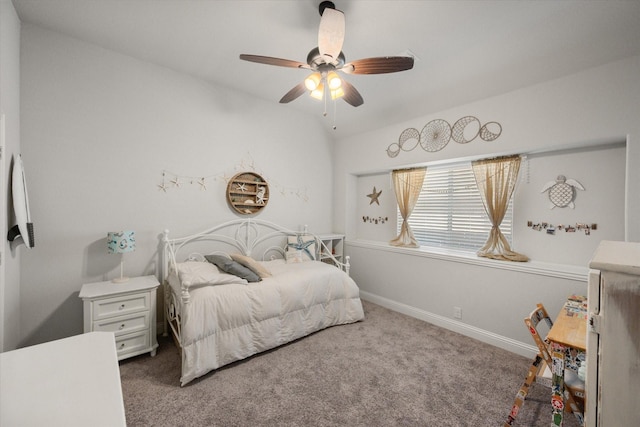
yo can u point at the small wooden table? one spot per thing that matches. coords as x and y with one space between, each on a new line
568 342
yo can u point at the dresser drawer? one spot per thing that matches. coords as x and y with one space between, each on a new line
131 343
120 305
124 324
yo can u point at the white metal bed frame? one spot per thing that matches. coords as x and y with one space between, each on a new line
240 235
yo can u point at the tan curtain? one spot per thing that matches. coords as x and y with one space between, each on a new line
496 180
407 184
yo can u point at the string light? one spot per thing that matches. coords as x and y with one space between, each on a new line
172 181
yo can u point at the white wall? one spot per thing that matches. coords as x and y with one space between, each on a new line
599 169
99 127
98 130
596 106
375 220
10 108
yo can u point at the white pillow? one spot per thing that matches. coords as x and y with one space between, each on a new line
293 256
193 273
304 244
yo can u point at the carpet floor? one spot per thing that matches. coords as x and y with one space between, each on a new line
388 370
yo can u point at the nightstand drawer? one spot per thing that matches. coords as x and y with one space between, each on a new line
132 343
120 305
123 325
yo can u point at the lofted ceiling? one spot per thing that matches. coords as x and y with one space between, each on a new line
464 50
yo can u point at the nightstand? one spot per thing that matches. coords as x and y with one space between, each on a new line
127 309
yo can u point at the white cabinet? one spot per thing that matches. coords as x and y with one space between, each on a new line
127 309
613 340
332 246
70 382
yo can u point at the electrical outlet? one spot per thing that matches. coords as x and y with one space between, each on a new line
457 312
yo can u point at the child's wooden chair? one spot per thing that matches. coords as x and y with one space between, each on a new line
540 368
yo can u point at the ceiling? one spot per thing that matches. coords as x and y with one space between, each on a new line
464 50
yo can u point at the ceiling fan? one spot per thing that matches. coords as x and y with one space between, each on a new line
328 58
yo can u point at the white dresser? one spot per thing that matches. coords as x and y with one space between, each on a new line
64 383
613 340
127 309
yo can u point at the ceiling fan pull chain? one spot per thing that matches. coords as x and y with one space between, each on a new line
324 97
335 103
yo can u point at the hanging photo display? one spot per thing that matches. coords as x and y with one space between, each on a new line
378 220
553 229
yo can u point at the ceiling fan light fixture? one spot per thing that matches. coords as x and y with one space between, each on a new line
327 60
318 92
333 80
313 81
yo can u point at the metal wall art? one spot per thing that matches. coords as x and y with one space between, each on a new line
562 191
436 134
551 229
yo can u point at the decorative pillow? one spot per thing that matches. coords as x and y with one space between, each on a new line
230 266
252 265
293 256
306 245
194 273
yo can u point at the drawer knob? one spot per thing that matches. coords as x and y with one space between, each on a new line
122 345
122 326
121 307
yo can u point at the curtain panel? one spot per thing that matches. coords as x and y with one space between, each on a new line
407 184
496 180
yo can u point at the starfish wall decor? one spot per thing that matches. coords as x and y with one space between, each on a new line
173 181
374 196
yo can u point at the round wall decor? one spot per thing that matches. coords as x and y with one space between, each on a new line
465 129
435 135
490 131
410 134
247 193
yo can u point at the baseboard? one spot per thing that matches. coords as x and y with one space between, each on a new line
500 341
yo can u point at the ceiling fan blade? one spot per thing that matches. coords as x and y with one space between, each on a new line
381 65
274 61
331 34
351 95
293 93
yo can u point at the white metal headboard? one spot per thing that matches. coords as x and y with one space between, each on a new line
243 235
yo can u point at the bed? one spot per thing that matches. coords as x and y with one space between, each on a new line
219 313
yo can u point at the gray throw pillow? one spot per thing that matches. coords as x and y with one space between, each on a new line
230 266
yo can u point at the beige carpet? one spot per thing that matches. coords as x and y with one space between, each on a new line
388 370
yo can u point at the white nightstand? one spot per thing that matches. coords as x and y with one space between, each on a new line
127 309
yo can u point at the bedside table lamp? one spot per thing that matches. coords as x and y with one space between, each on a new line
120 242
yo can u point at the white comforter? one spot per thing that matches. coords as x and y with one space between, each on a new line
222 324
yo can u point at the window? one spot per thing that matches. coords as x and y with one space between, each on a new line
449 212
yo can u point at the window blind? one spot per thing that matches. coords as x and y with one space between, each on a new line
449 212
